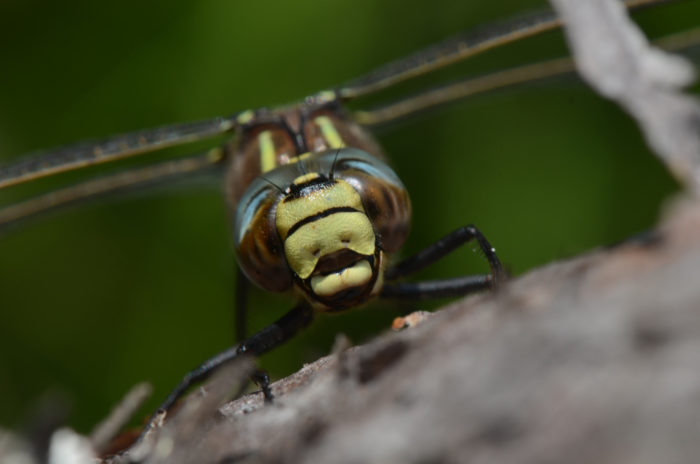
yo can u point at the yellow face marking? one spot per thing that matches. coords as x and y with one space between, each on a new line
215 154
326 95
338 195
296 159
342 230
329 132
267 151
330 284
305 178
245 117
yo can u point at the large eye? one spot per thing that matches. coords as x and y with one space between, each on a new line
259 249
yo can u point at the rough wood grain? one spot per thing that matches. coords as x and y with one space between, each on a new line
592 359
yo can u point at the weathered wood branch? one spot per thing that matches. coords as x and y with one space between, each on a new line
592 359
617 61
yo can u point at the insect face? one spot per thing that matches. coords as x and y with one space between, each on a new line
323 233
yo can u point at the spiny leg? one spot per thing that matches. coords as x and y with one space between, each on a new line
259 343
260 376
433 289
445 246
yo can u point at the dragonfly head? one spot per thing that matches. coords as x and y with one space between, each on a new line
326 232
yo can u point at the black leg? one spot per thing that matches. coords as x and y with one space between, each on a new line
278 332
241 311
260 377
444 246
437 288
263 379
271 336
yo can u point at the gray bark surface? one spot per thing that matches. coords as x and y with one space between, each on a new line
592 359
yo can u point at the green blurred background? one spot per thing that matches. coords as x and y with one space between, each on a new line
97 298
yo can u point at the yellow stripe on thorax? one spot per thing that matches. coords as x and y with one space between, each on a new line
301 157
268 153
245 117
329 132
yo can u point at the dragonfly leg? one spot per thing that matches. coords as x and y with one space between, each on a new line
445 246
261 342
432 289
262 378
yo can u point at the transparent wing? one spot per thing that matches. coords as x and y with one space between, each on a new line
461 89
114 148
121 182
475 85
458 49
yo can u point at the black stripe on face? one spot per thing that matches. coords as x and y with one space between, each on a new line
303 189
317 216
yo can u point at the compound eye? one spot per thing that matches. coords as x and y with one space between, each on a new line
259 250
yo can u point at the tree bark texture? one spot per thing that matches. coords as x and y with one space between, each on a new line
592 359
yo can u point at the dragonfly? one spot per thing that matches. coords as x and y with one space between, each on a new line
432 193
